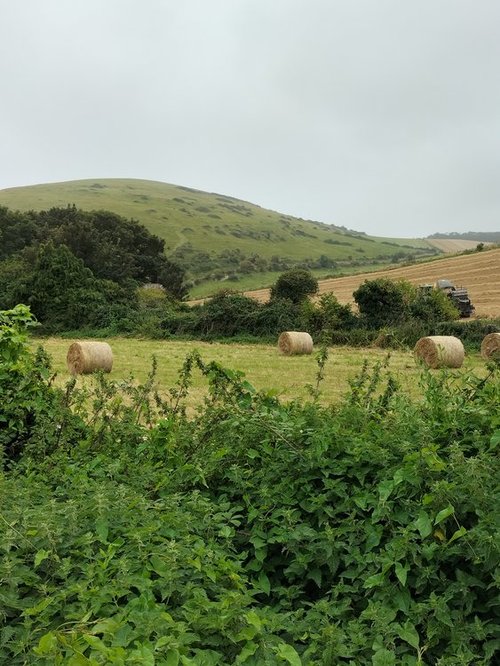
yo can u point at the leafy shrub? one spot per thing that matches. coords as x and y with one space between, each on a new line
327 315
253 532
383 302
226 314
471 332
433 306
34 417
276 316
296 285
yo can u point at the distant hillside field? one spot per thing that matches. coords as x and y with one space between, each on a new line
217 237
453 245
479 272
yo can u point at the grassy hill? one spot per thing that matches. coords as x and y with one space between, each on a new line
217 237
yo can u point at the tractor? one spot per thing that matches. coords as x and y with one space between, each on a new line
459 296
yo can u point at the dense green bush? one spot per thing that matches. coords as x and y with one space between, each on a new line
385 302
81 270
432 306
63 293
227 314
296 285
252 532
32 412
112 247
327 316
230 314
471 332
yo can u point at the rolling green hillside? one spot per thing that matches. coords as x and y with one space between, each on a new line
215 236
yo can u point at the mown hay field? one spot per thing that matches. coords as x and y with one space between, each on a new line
264 367
479 272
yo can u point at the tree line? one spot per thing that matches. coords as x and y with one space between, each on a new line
76 268
87 271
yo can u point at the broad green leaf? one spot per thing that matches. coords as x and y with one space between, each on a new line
107 626
423 524
374 581
289 654
384 657
159 566
254 620
402 599
46 644
80 660
172 658
102 528
249 649
315 575
456 535
39 607
246 634
443 514
264 583
408 633
495 439
95 643
385 488
40 556
401 572
143 656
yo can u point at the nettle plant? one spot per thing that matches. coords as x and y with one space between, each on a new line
254 531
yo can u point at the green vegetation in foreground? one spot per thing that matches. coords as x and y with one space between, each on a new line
213 235
264 367
252 532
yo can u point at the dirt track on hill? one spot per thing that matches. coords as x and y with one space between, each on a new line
479 272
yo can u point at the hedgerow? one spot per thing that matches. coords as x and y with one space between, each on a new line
253 531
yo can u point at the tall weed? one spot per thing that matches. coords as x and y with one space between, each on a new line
252 531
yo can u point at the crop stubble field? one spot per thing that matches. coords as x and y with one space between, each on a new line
264 367
479 272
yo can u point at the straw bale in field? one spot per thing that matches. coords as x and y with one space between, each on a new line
440 351
86 357
490 346
295 342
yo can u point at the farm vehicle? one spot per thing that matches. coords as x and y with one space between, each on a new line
459 296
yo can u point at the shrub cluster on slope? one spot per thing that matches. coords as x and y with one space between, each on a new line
253 532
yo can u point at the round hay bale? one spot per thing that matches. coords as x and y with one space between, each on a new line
295 342
490 346
440 351
86 357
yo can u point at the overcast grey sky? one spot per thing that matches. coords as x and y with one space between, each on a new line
380 115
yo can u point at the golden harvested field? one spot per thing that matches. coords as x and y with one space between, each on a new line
479 272
453 245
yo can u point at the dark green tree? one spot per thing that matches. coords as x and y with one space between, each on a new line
15 274
228 314
62 292
433 306
383 302
112 247
17 231
326 315
296 285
